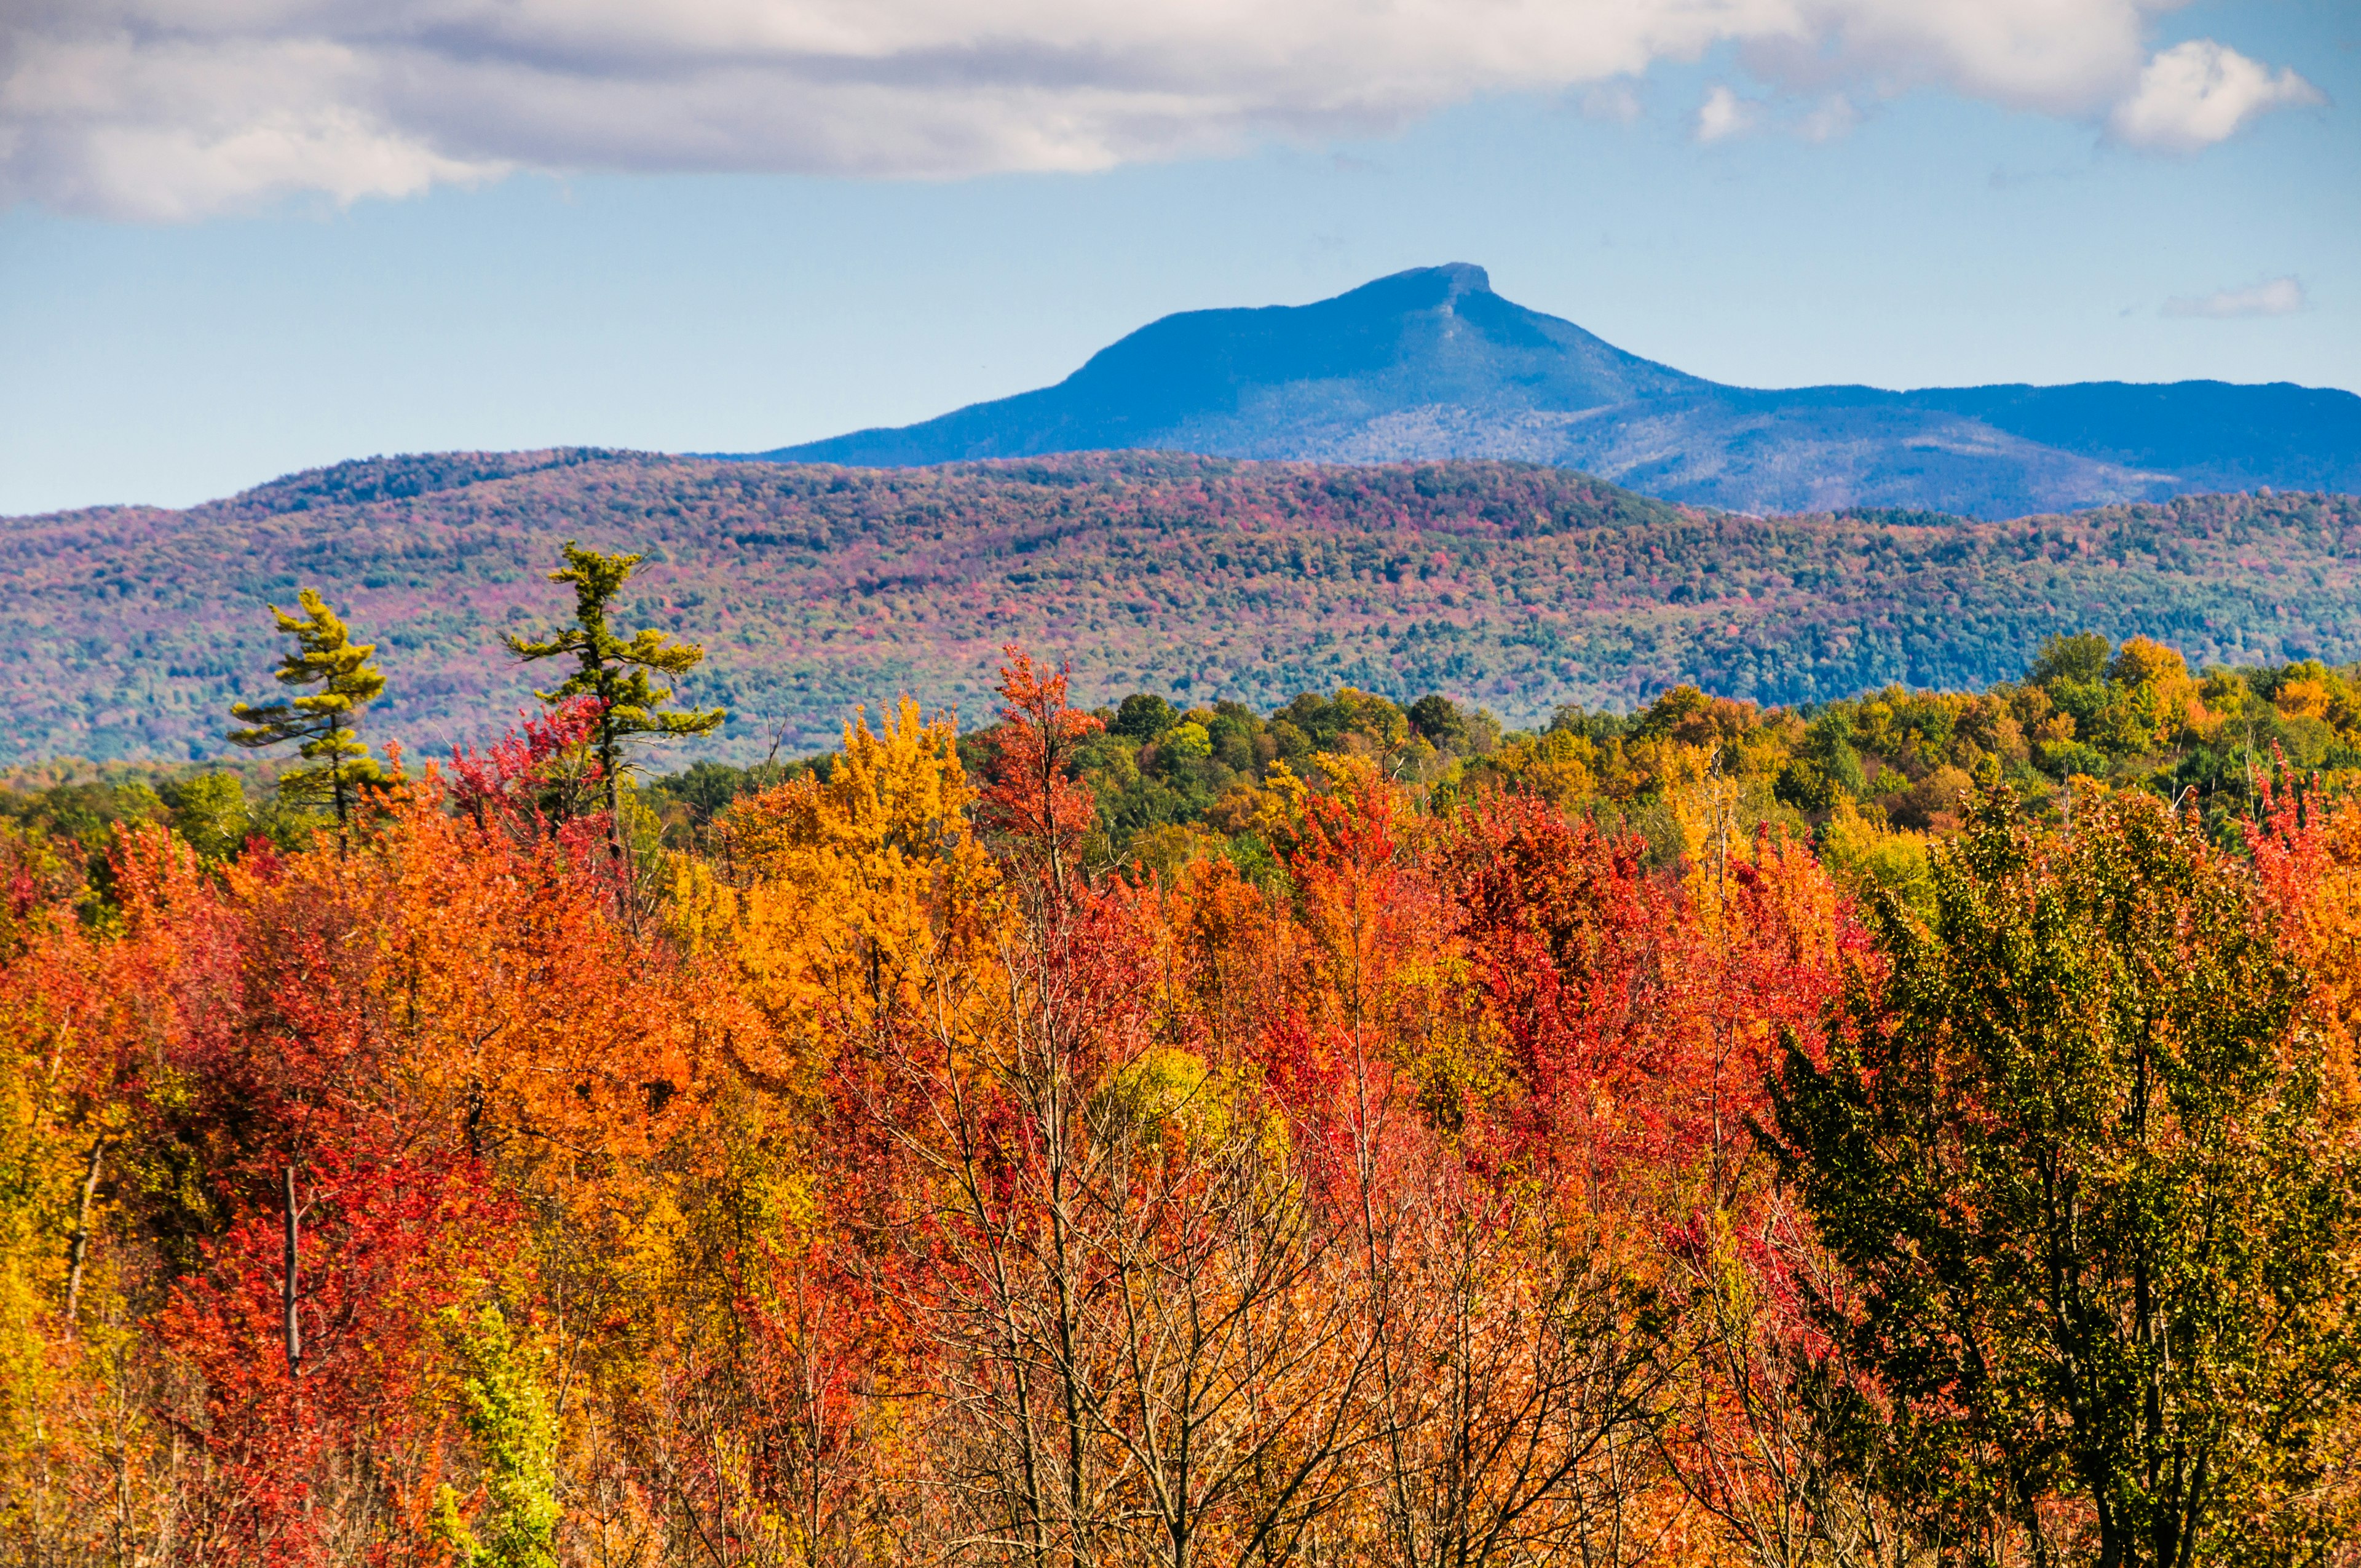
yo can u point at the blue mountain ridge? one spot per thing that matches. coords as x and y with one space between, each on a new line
1431 363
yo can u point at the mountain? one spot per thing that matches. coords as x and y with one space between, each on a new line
1431 363
127 631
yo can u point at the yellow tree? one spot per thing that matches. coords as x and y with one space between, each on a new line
858 919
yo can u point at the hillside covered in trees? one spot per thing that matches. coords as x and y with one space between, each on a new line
128 632
1925 1130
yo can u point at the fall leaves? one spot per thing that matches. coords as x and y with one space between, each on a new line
885 1181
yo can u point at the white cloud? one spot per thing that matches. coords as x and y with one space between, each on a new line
2197 94
1724 114
2201 93
2279 297
171 109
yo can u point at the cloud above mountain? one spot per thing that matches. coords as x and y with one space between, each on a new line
174 109
2279 297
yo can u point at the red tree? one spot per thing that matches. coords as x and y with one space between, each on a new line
1032 797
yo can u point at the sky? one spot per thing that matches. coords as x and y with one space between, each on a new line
244 237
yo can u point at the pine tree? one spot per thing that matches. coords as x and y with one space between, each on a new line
324 656
615 671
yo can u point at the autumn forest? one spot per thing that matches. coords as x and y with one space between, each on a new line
1919 1127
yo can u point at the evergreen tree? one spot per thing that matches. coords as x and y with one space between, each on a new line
339 764
616 672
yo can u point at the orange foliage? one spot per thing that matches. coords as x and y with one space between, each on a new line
896 1181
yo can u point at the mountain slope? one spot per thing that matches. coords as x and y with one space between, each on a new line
1431 363
128 632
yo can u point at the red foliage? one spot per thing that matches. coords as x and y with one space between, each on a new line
1032 796
534 776
1642 1032
386 1240
1571 940
2287 838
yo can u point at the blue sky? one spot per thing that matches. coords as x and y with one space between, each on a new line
176 328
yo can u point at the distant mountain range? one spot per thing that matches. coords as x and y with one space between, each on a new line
1431 363
128 632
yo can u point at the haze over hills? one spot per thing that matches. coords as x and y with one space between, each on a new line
1431 363
127 631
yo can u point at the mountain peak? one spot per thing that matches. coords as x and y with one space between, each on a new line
1430 363
1461 278
1415 289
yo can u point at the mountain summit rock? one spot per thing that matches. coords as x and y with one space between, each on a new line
1431 363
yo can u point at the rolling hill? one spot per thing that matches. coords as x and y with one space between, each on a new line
1431 363
127 631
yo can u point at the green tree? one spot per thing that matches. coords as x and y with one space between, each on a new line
1144 716
2095 1212
210 814
1439 720
503 1408
2080 656
325 722
616 671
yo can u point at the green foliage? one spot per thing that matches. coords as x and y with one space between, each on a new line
1156 767
2079 658
2093 1215
1186 741
1869 779
210 813
617 671
1143 717
82 812
685 802
1437 720
1869 861
322 722
1902 517
504 1409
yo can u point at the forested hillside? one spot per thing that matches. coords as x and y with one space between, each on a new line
128 632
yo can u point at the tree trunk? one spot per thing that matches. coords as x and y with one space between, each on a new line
336 787
287 1280
614 809
78 1249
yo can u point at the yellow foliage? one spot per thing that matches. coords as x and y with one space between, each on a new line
856 895
2143 661
44 1154
1661 767
2306 696
1706 810
1865 857
1164 850
2164 704
1272 813
1558 765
